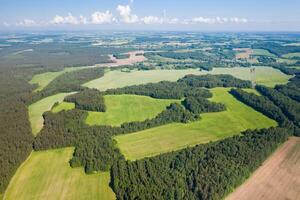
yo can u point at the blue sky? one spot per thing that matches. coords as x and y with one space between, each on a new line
264 15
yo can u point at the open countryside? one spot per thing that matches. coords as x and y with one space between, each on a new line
211 127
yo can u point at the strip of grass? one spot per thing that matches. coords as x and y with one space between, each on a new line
211 127
292 55
37 109
48 175
127 108
63 106
262 52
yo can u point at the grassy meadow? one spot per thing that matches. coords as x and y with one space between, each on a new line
37 109
48 175
262 52
291 55
42 80
211 127
116 79
127 108
63 106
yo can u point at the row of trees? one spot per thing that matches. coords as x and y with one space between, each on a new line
89 99
207 171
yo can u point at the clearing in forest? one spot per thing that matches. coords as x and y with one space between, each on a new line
48 175
127 108
37 109
278 178
212 126
63 106
116 79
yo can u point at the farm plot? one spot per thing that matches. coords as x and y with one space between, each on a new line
37 109
48 175
127 108
211 127
278 178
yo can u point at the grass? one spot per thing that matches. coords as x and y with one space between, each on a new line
63 106
262 52
291 55
127 108
212 126
48 175
42 80
250 90
116 79
37 109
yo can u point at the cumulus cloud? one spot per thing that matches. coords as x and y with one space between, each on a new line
69 19
27 22
215 20
126 15
102 17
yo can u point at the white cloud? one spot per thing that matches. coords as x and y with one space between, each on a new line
217 20
102 17
152 20
126 16
69 19
6 24
27 22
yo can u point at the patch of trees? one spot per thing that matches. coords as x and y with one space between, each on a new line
207 171
261 104
276 48
89 99
289 107
162 90
291 89
69 82
198 104
211 81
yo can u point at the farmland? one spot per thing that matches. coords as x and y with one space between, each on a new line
211 127
262 52
127 108
277 178
47 175
117 79
37 109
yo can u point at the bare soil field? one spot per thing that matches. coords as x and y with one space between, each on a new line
277 179
134 57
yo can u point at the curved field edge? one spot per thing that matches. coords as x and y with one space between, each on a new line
277 178
127 108
37 109
211 127
43 79
48 175
116 79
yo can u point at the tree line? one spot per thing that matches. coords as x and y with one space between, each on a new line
208 171
88 99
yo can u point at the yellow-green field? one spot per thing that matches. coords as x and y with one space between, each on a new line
211 127
37 109
48 175
116 79
63 106
291 55
262 52
127 108
45 78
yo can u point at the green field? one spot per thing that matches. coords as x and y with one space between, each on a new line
63 106
262 52
45 78
116 79
48 175
37 109
127 108
211 127
291 55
